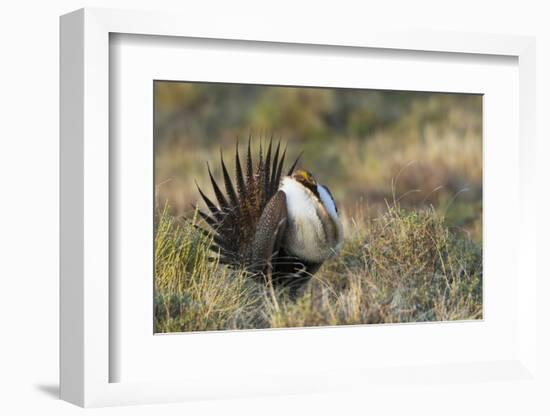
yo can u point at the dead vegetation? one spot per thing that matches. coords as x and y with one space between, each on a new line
405 266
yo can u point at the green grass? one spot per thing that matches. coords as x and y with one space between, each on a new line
403 266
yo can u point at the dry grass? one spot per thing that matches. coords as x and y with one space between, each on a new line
191 292
405 266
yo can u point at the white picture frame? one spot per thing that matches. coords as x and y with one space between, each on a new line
86 356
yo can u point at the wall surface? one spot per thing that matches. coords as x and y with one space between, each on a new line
29 209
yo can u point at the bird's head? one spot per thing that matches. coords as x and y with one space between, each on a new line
306 179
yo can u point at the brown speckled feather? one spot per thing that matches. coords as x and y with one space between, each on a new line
269 231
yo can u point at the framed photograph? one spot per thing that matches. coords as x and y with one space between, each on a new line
266 213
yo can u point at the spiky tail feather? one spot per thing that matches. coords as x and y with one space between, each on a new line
234 218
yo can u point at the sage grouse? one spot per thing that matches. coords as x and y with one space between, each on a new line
279 228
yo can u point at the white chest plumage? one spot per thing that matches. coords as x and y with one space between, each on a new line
314 231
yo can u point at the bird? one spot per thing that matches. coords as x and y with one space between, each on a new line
279 228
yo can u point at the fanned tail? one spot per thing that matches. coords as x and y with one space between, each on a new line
233 218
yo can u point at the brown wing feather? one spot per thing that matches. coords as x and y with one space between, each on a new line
269 231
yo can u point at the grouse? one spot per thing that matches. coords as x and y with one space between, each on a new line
279 228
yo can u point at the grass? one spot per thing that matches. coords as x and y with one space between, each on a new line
193 293
402 266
